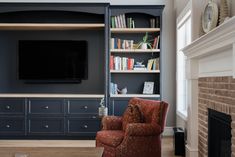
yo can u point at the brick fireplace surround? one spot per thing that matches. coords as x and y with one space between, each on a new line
210 75
217 93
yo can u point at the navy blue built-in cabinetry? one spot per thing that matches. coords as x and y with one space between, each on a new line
48 117
53 117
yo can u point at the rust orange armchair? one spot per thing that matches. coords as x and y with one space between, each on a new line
137 133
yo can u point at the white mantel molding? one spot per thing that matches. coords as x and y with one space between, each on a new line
214 52
220 38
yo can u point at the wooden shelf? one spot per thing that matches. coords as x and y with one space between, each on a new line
134 71
135 95
134 51
50 26
134 30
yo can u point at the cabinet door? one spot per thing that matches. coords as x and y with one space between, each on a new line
118 106
83 107
46 126
12 106
83 126
12 126
46 106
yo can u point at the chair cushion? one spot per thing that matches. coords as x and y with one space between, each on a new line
132 114
110 137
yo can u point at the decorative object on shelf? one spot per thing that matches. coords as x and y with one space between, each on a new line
224 11
103 111
123 91
210 16
148 87
145 43
139 66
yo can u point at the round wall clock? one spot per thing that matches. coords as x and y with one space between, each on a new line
210 16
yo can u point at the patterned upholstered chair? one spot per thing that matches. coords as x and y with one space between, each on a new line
137 133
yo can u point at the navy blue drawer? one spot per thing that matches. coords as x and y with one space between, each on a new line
46 106
78 125
83 106
12 125
12 106
46 126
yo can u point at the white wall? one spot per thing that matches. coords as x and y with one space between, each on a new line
113 2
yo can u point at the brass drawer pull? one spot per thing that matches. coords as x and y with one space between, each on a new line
46 107
85 107
8 126
46 126
85 126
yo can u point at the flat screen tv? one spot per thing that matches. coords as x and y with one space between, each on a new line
52 61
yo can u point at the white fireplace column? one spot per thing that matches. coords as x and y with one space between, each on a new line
211 55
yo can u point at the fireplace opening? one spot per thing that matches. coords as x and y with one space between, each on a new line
219 134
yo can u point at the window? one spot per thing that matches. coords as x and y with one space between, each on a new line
183 39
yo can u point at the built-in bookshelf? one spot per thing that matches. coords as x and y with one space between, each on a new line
131 64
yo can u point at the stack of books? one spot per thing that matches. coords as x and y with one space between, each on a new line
116 43
121 63
139 67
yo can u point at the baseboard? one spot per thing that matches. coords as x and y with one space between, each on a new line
190 152
168 131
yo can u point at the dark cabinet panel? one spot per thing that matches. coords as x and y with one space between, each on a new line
12 125
12 106
83 106
44 126
83 126
46 106
118 106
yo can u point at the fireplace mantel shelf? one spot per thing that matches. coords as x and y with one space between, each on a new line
220 38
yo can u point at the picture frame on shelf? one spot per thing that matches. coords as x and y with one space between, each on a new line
148 87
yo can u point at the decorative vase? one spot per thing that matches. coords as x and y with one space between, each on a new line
144 46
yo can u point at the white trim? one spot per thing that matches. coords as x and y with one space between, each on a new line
181 17
168 131
182 115
233 60
191 152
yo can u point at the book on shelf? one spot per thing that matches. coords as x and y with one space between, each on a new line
156 42
153 64
116 43
113 88
121 63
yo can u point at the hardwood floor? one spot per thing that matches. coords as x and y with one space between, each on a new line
167 144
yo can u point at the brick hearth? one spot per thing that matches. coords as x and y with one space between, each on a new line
216 93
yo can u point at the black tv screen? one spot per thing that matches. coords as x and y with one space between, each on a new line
52 60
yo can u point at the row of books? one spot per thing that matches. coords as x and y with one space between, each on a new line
153 64
116 43
120 21
121 63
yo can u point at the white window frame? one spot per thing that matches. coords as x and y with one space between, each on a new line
182 20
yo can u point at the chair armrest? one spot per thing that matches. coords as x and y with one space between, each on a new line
112 123
142 129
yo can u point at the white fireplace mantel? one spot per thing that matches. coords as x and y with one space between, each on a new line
215 51
211 55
